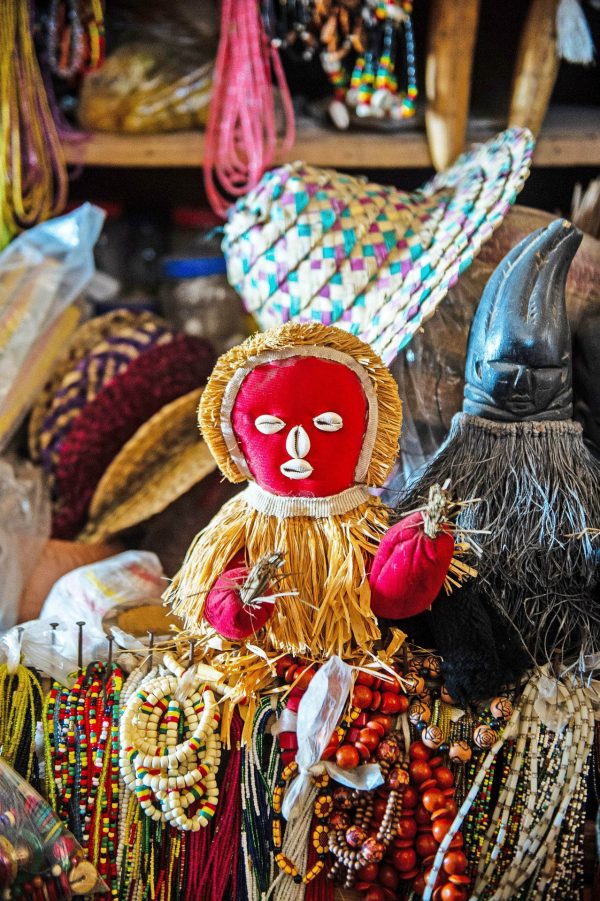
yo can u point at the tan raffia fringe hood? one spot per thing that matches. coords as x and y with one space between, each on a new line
326 557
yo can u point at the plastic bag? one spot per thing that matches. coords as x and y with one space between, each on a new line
146 88
24 529
88 593
34 843
41 273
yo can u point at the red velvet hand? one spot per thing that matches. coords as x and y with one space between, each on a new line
226 613
409 569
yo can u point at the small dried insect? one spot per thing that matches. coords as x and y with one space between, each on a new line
259 578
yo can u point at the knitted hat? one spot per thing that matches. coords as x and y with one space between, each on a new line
87 336
311 244
164 459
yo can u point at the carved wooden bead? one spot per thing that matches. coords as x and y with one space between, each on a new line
485 737
501 707
419 713
432 664
432 737
461 751
445 696
415 684
342 798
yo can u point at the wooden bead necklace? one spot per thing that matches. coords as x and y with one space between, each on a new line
153 856
362 841
170 748
320 807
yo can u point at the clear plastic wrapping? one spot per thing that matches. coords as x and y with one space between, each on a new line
144 87
39 858
24 529
41 273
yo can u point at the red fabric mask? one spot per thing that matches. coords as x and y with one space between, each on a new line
290 446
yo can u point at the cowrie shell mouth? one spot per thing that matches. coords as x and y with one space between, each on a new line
296 469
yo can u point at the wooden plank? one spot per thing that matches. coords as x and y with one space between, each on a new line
570 137
450 49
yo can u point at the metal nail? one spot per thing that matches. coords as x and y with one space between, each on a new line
54 627
80 626
151 649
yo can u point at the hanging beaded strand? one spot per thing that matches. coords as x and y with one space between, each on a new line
81 733
33 176
261 768
21 703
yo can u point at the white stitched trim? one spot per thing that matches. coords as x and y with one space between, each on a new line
316 507
284 353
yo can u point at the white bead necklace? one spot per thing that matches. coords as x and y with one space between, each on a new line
170 749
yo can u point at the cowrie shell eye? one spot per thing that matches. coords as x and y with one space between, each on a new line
268 425
328 422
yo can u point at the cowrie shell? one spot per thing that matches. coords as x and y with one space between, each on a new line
297 443
328 422
268 424
296 469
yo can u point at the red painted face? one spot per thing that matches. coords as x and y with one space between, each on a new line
300 424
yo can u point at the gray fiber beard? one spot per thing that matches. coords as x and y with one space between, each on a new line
536 489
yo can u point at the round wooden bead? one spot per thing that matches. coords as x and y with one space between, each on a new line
355 836
342 798
373 851
445 696
485 737
432 736
432 664
460 751
347 757
339 819
362 696
501 707
388 750
418 712
414 684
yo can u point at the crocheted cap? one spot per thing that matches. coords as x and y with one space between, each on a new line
87 337
101 428
311 244
389 418
161 462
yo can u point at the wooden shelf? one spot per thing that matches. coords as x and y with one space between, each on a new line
570 137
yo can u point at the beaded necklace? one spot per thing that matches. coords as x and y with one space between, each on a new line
261 768
21 704
81 736
33 176
172 776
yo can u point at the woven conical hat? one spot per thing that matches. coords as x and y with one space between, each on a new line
311 244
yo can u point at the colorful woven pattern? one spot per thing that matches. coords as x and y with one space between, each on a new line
312 244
